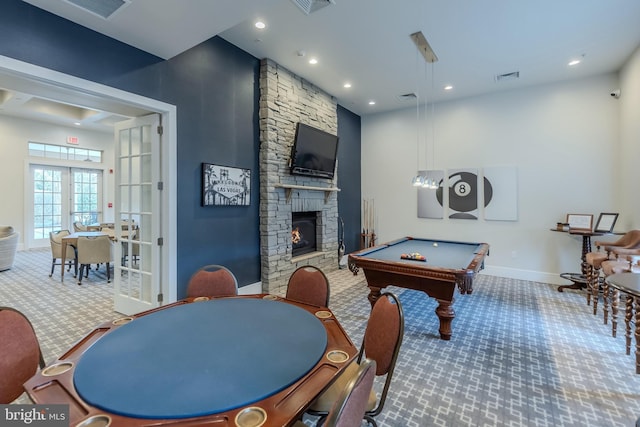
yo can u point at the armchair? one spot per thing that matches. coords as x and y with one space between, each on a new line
8 246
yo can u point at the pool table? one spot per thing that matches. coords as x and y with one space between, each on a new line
445 266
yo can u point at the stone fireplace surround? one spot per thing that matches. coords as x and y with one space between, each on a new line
286 99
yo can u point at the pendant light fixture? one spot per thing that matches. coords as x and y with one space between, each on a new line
430 57
418 180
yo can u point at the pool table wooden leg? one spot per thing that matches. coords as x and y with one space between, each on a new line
374 294
445 314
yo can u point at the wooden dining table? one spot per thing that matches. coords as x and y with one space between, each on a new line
242 361
72 239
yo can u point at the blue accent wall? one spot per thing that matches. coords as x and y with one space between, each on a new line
349 197
215 87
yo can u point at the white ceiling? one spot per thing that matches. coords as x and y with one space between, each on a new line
367 43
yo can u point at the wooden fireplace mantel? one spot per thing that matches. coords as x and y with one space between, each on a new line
288 188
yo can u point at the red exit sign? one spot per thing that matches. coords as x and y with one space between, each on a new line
73 140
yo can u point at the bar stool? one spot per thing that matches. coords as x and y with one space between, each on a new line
628 283
630 264
604 252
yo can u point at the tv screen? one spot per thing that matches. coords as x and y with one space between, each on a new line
313 152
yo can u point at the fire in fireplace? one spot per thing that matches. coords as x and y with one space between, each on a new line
303 233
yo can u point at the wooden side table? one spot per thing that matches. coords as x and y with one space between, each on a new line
579 279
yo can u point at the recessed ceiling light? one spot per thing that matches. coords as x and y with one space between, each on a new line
260 25
313 61
347 85
77 123
574 62
448 87
372 102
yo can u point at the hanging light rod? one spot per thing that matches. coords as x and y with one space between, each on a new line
423 46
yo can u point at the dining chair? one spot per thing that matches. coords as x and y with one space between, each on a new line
94 250
381 343
55 240
134 236
78 226
20 354
351 403
212 281
309 285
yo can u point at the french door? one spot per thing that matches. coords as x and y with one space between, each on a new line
138 189
61 196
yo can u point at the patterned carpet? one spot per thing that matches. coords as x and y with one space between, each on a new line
521 354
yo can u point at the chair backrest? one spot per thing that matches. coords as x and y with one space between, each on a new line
78 226
55 240
382 340
20 353
212 281
309 285
349 408
94 250
630 239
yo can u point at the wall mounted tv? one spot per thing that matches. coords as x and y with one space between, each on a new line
313 152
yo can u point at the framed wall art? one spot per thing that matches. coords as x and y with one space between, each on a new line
580 222
606 222
225 186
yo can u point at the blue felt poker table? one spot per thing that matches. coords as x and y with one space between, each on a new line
206 360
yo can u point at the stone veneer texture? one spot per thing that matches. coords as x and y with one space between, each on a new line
285 100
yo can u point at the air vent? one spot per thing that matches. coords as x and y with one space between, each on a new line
407 97
102 8
508 76
310 6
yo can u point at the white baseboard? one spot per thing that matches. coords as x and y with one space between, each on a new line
530 275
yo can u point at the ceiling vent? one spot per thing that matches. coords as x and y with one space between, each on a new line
310 6
408 97
102 8
508 76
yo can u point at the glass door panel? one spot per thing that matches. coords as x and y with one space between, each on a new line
138 202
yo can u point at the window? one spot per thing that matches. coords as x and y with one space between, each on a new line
62 196
50 151
47 201
86 197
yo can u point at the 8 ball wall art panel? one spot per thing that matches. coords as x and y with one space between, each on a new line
463 193
225 186
503 203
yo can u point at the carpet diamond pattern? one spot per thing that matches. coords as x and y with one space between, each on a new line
521 353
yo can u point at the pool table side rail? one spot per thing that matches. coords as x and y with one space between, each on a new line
462 276
476 264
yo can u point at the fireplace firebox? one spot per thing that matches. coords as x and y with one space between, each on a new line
303 233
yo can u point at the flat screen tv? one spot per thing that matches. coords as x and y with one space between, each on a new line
313 152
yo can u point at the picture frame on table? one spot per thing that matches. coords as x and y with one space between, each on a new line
225 185
606 222
580 222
